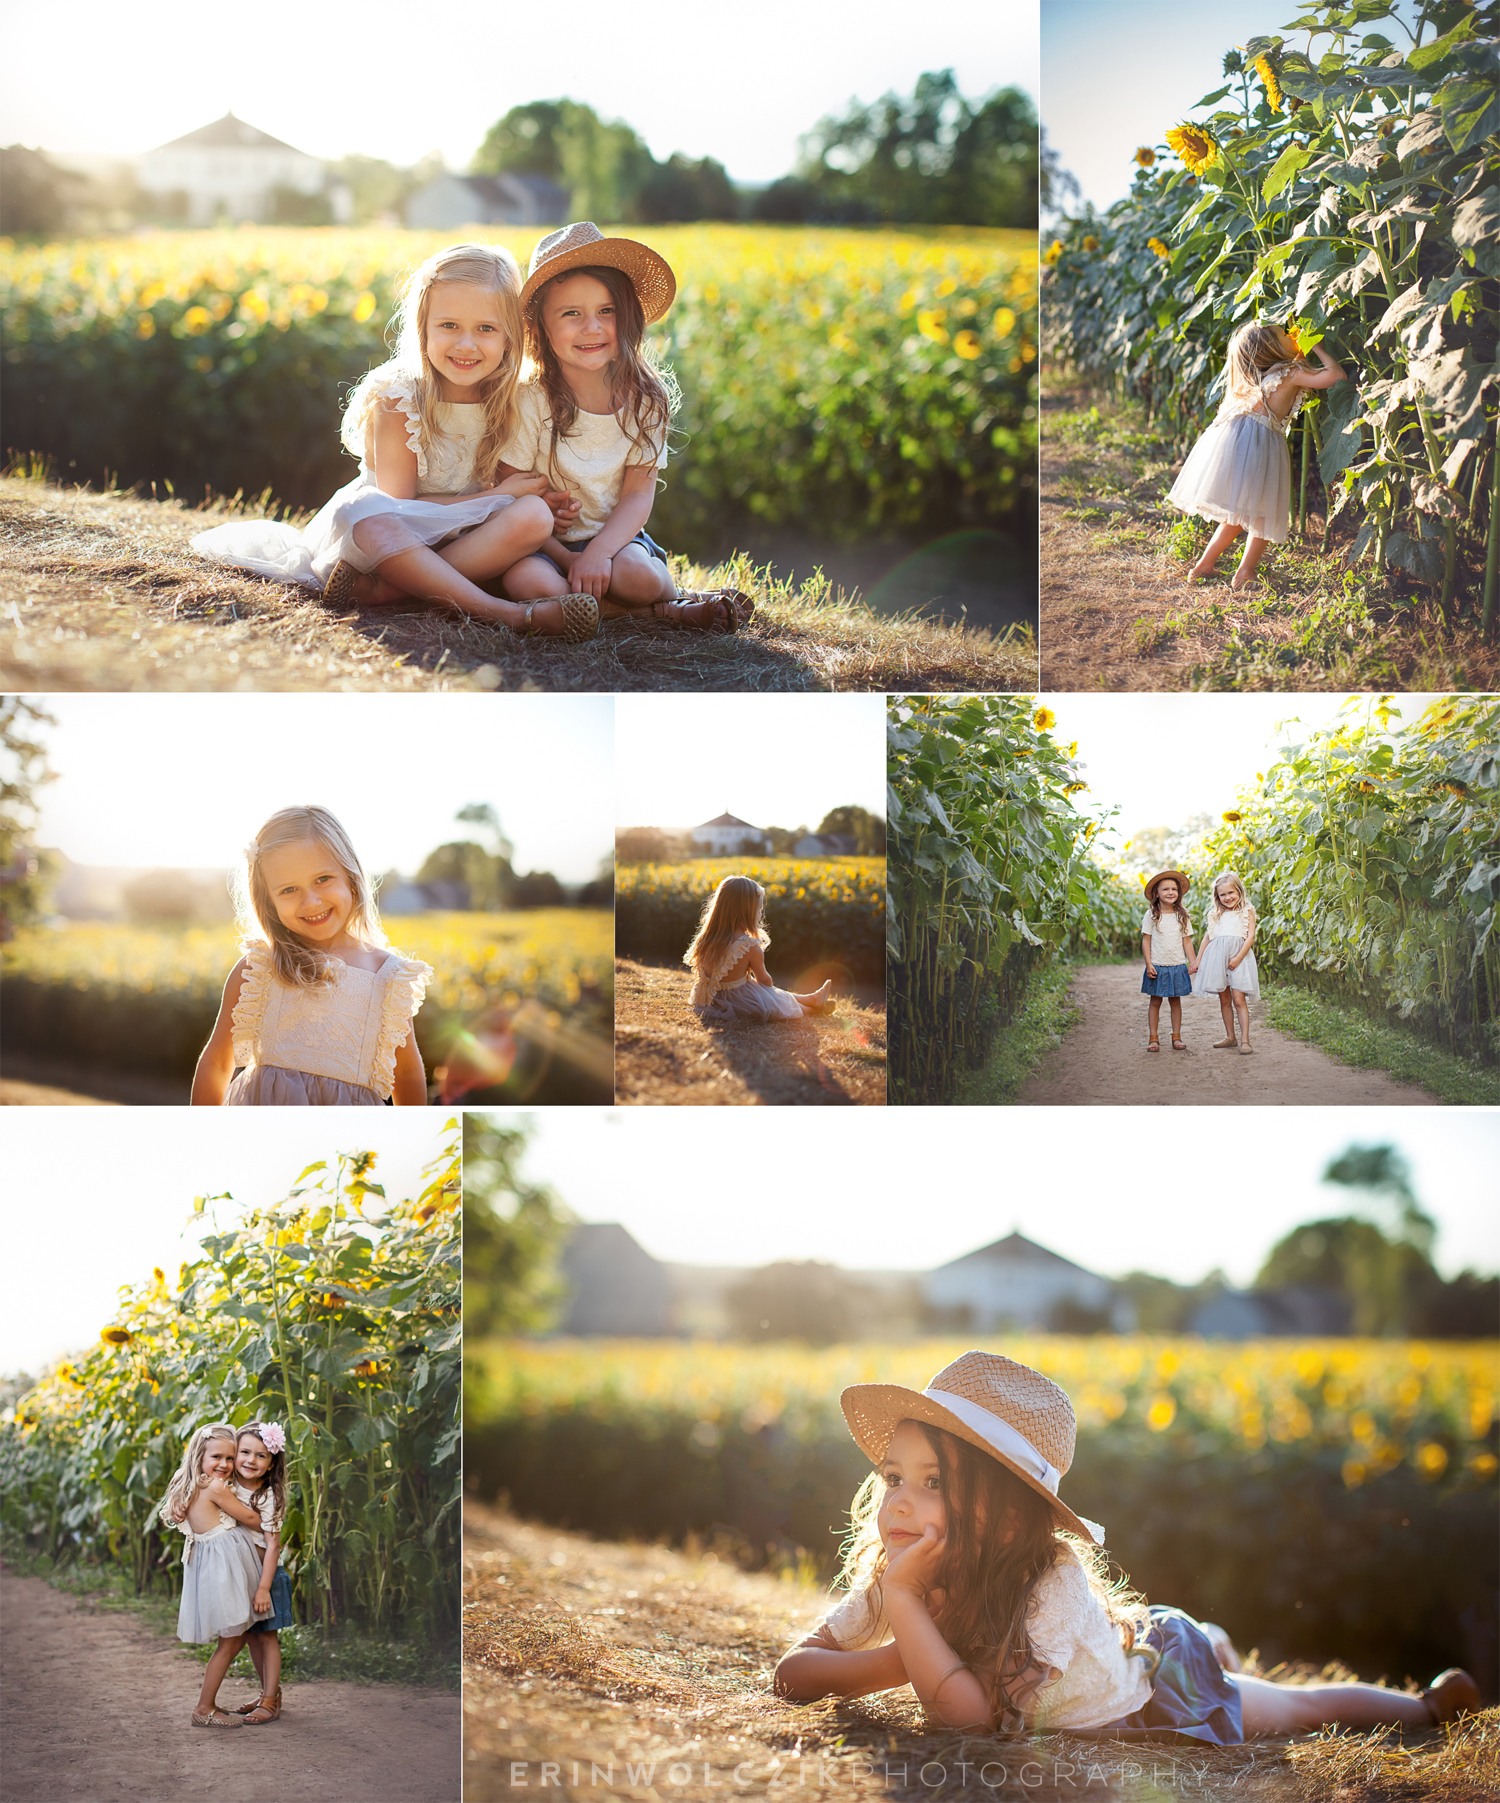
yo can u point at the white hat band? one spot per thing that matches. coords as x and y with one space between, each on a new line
1001 1435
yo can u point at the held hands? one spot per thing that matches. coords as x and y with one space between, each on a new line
565 508
518 485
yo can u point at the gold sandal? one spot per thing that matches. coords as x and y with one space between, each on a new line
338 591
217 1718
580 619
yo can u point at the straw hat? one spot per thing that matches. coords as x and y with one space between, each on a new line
581 244
1184 883
1007 1410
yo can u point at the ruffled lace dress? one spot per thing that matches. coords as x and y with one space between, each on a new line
284 554
1223 937
1240 471
220 1575
331 1047
742 999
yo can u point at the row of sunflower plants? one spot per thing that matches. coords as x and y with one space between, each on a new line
1342 183
991 874
1372 854
336 1313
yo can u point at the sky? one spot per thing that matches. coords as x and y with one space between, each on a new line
382 79
96 1206
1163 758
774 760
909 1188
185 781
1118 73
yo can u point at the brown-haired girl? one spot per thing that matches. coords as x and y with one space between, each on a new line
727 957
971 1580
1240 471
318 1012
1167 944
260 1483
593 419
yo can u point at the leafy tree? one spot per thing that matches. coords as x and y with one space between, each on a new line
806 1300
784 838
866 829
600 891
36 194
1153 848
642 845
376 186
603 164
25 873
539 889
680 189
1162 1306
1057 185
514 1232
490 880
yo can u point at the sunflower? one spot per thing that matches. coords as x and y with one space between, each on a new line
1074 788
1294 332
1053 252
1234 817
1043 718
1193 145
1267 73
1145 156
1157 245
1091 242
116 1336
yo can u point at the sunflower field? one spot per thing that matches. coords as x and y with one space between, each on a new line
1319 1498
1341 183
1372 854
850 382
818 910
991 875
336 1313
536 985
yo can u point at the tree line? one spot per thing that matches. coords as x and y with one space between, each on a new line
655 845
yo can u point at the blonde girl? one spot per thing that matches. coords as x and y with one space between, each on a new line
260 1483
1167 945
1240 471
431 513
592 418
1226 965
220 1571
727 958
319 1010
970 1580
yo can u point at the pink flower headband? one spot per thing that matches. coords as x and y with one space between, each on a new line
272 1437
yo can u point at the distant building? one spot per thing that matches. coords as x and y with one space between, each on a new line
728 834
1016 1283
403 897
825 845
450 200
614 1285
1269 1314
231 170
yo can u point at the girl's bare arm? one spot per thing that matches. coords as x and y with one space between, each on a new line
1249 940
631 511
1146 954
819 1667
267 1572
1320 378
219 1492
946 1688
395 464
756 960
216 1060
410 1087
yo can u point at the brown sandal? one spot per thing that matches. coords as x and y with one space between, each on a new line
1153 1045
1178 1045
741 606
1225 1045
696 613
580 619
217 1718
267 1708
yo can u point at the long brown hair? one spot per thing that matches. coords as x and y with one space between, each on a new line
1177 907
1002 1539
273 1478
642 397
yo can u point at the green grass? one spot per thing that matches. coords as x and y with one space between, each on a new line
1354 1038
1037 1026
305 1653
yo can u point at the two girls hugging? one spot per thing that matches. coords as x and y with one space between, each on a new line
969 1579
1226 966
228 1498
508 451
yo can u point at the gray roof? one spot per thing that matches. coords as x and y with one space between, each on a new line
232 133
732 820
1015 1249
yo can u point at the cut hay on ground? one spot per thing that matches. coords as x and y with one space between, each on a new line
664 1055
104 592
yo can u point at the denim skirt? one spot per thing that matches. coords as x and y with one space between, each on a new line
643 539
281 1605
1191 1699
1170 979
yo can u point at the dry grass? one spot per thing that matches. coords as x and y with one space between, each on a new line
598 1657
1117 611
665 1056
101 591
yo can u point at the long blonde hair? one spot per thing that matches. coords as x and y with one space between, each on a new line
186 1478
296 963
486 266
735 907
1255 347
1215 909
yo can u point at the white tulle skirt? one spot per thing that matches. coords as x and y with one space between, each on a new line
273 549
274 1086
1239 473
218 1587
746 1001
1213 974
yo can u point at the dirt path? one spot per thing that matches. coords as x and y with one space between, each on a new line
665 1056
97 1707
32 1079
1103 1058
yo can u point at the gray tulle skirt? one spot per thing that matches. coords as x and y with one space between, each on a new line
1213 975
218 1587
1239 473
750 1002
273 1086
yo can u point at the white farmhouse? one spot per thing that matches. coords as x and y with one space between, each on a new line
1016 1283
231 170
728 835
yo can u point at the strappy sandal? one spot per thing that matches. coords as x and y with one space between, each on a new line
580 619
1153 1045
674 613
741 606
255 1703
1178 1045
268 1709
338 591
217 1718
1225 1045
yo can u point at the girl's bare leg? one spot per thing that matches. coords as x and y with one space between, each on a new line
1288 1708
1255 549
255 1646
639 584
1174 1004
265 1650
1153 1017
453 573
818 996
1214 550
1226 1008
1242 1009
213 1677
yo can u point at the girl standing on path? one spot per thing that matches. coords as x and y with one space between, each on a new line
594 421
319 1011
1167 943
970 1580
220 1572
1226 965
1240 471
431 513
260 1483
727 957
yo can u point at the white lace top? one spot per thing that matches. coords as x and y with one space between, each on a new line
1165 936
350 1030
444 468
1096 1680
1254 406
264 1506
710 982
1227 925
